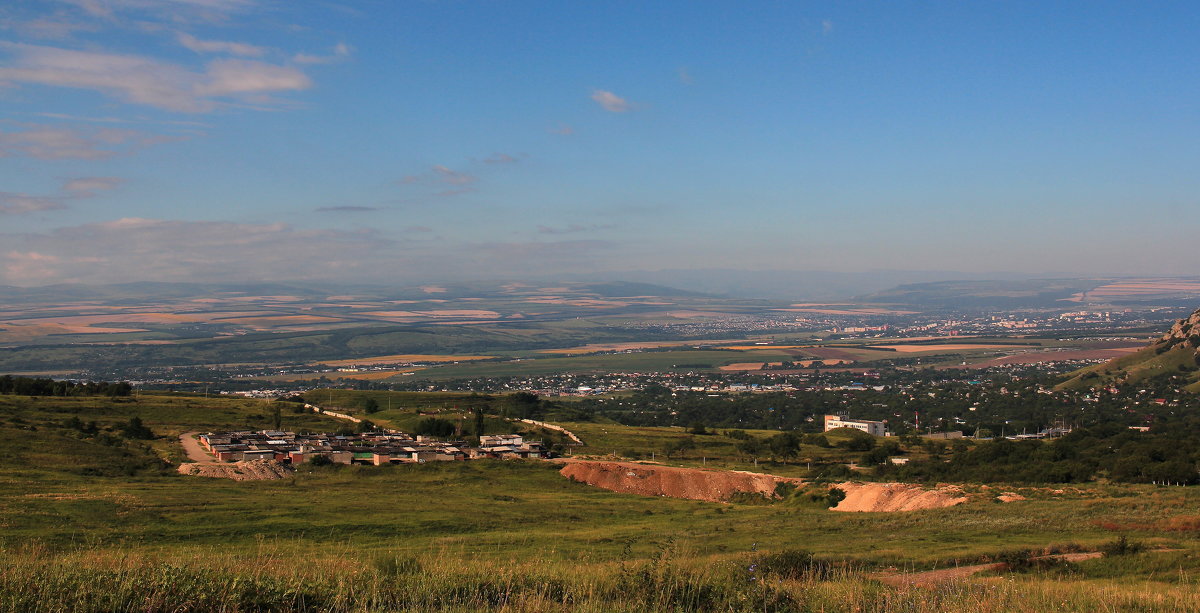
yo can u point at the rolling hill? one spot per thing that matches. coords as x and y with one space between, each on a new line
1177 352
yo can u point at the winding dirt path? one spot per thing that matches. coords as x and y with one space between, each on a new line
195 452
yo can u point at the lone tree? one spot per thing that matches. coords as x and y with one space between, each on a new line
369 405
478 414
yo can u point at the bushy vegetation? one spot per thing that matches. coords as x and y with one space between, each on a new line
27 386
1168 454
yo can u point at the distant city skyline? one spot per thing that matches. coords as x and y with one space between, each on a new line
375 141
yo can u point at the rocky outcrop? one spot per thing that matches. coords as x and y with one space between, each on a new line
1185 331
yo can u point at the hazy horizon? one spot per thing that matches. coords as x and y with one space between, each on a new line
251 140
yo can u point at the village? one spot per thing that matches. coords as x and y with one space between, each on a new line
375 448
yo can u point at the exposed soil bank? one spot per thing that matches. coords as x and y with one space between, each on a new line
889 497
690 483
254 470
721 485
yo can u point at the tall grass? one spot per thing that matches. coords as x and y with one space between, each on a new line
346 580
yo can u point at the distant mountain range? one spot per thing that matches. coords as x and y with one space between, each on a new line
159 291
919 289
793 284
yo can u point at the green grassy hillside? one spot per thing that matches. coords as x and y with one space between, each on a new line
506 535
1157 360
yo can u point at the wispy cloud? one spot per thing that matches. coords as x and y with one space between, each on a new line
347 209
440 175
503 158
17 204
12 203
572 228
54 27
685 76
146 81
28 266
155 249
562 129
341 51
826 26
611 102
175 10
219 46
86 187
48 142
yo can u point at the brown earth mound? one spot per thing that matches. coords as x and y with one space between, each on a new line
889 497
690 483
254 470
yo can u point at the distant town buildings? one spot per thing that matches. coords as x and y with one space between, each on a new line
375 448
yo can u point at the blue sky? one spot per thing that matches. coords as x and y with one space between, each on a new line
411 140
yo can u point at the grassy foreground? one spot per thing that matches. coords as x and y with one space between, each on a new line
78 535
345 580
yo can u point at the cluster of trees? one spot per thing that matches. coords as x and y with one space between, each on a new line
132 429
28 386
1167 454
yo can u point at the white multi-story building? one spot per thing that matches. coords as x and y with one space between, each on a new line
874 428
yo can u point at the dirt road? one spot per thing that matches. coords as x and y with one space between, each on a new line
195 452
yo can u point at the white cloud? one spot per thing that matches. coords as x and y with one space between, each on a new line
611 102
562 130
173 9
219 46
341 51
17 204
154 249
453 177
572 228
503 158
86 187
27 266
12 203
226 77
826 26
56 27
146 81
347 208
47 142
440 175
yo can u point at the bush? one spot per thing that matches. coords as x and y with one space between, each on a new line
1122 547
135 429
433 426
835 496
793 564
319 460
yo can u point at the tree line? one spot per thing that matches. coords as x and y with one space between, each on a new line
29 386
